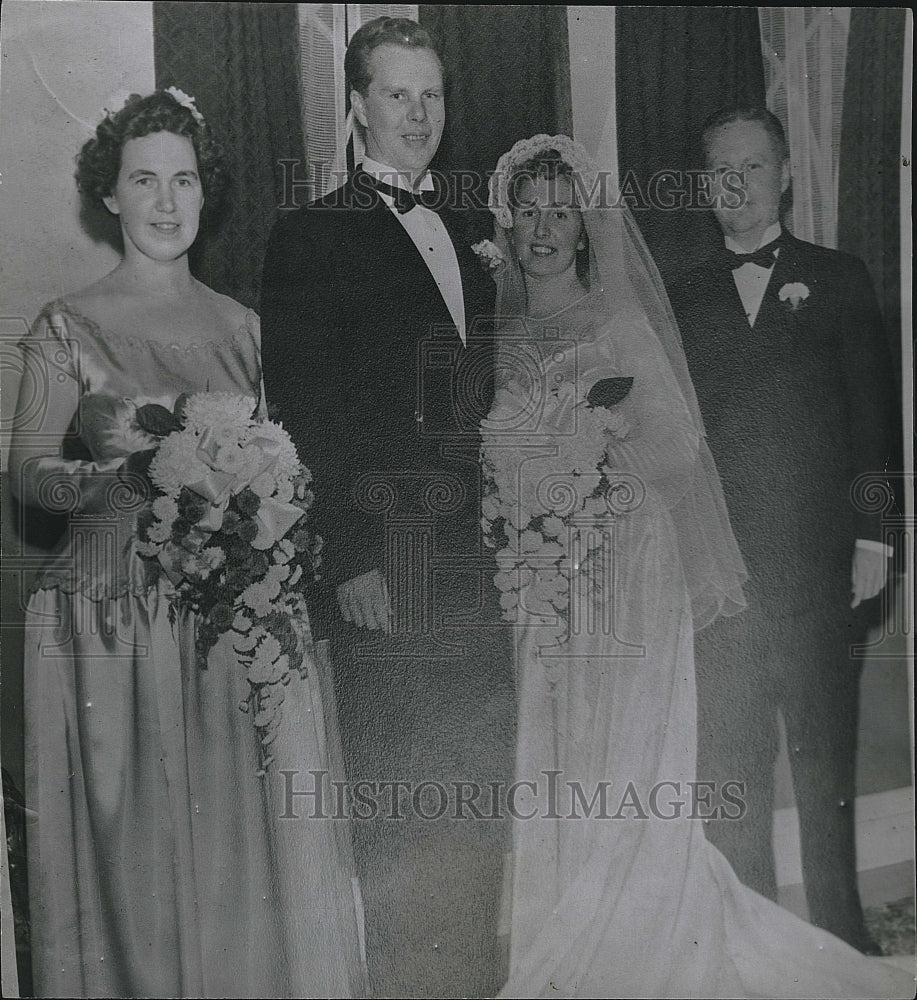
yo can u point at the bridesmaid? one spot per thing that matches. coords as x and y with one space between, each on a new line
159 865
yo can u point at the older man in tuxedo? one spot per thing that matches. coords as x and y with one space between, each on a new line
785 344
376 356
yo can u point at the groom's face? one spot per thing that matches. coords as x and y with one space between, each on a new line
748 148
402 110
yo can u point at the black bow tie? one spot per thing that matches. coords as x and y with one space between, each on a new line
764 257
406 200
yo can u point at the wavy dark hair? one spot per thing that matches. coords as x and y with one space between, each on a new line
550 165
99 161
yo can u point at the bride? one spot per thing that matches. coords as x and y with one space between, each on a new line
614 546
161 864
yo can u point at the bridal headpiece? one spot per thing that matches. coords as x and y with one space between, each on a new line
571 152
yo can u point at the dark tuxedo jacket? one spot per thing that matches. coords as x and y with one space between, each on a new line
363 361
796 408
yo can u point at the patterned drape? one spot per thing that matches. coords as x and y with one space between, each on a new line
869 200
805 50
675 67
241 62
507 77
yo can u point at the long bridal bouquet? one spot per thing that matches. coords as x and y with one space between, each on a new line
228 523
546 492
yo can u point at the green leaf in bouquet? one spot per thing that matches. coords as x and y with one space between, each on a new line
609 392
157 420
178 411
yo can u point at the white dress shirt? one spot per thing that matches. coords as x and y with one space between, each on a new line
429 235
751 283
751 279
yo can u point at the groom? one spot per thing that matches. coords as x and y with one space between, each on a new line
786 349
371 309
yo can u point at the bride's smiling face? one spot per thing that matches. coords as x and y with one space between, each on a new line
547 226
158 196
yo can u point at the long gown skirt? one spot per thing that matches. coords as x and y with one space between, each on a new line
161 864
634 901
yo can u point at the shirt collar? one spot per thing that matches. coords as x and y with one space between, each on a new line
391 176
770 234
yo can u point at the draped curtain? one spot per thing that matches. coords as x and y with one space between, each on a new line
241 62
507 77
805 50
869 200
675 67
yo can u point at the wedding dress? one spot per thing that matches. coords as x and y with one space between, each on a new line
161 864
615 890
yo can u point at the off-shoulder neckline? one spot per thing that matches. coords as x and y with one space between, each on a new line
248 328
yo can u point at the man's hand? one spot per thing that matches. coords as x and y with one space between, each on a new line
364 601
870 571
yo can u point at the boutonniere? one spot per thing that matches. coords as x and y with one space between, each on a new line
794 294
489 255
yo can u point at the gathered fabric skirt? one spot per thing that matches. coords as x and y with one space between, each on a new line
624 896
161 863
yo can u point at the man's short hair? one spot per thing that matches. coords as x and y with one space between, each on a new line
381 31
729 116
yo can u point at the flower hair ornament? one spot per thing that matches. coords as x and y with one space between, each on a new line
118 102
571 152
186 101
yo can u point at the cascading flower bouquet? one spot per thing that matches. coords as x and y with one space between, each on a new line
228 524
532 501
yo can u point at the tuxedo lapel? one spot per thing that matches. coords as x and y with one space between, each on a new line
726 302
775 315
398 252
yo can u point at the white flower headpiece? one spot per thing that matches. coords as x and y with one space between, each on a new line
571 152
119 101
186 101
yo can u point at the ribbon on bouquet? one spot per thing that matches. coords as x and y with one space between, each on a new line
230 470
274 519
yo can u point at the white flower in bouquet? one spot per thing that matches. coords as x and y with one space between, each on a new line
205 411
287 464
241 623
160 531
177 463
230 458
165 509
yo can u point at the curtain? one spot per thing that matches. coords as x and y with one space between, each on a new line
675 67
805 50
324 31
241 62
507 77
869 199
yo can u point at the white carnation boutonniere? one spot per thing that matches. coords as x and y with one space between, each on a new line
794 294
489 255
